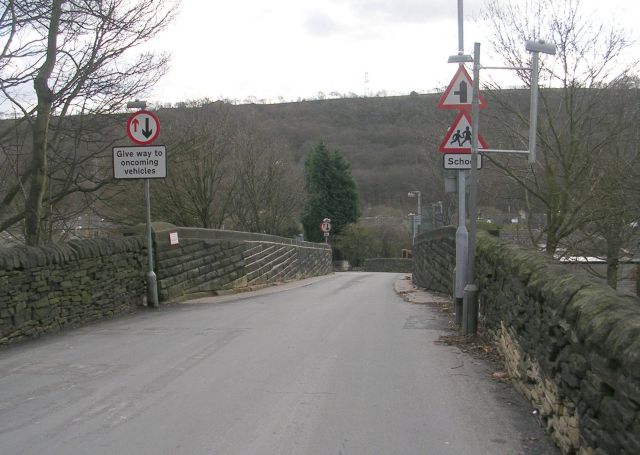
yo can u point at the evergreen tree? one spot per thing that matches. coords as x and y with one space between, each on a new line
331 193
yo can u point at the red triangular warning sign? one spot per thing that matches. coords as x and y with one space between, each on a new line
459 93
458 138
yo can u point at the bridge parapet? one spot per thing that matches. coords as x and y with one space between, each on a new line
434 259
210 260
570 344
45 289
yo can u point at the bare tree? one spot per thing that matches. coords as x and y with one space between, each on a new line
63 63
267 196
577 127
198 189
615 210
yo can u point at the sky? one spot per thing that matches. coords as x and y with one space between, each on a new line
285 50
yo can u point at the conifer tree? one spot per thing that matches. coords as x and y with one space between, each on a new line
331 193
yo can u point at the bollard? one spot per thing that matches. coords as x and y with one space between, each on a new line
152 289
470 310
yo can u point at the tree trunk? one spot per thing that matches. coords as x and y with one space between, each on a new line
33 209
613 260
552 240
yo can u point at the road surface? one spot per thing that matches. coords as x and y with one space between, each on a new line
333 365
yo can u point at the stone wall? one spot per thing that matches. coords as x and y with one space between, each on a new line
571 345
397 265
45 289
628 274
207 260
434 259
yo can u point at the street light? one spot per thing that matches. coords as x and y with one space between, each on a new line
137 104
535 47
412 217
417 194
435 208
460 58
470 307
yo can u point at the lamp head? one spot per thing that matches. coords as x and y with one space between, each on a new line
460 58
541 46
137 104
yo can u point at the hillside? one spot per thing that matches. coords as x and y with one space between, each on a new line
391 143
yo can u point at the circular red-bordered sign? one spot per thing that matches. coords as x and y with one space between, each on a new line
325 227
143 127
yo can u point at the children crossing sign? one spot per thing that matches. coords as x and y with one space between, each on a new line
460 135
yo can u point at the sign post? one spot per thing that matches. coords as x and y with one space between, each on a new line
143 161
461 94
458 94
326 227
470 309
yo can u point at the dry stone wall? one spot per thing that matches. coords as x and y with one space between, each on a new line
570 344
206 261
434 260
45 289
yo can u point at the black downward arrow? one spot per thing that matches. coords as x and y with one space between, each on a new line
146 132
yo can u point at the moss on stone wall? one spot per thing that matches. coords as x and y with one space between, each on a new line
570 344
45 289
434 258
209 261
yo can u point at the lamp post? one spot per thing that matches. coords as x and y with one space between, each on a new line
436 208
412 217
417 194
465 248
535 47
470 308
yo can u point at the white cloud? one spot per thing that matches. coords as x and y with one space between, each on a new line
295 48
412 11
321 24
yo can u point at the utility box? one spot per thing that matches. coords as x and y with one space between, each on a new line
450 184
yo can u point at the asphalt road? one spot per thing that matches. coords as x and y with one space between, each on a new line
337 365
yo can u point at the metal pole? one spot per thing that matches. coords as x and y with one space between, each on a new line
413 228
419 213
460 28
462 241
152 282
533 114
433 216
462 236
470 310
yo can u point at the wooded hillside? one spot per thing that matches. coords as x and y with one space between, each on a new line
392 143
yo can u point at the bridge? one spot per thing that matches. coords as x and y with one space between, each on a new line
329 363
